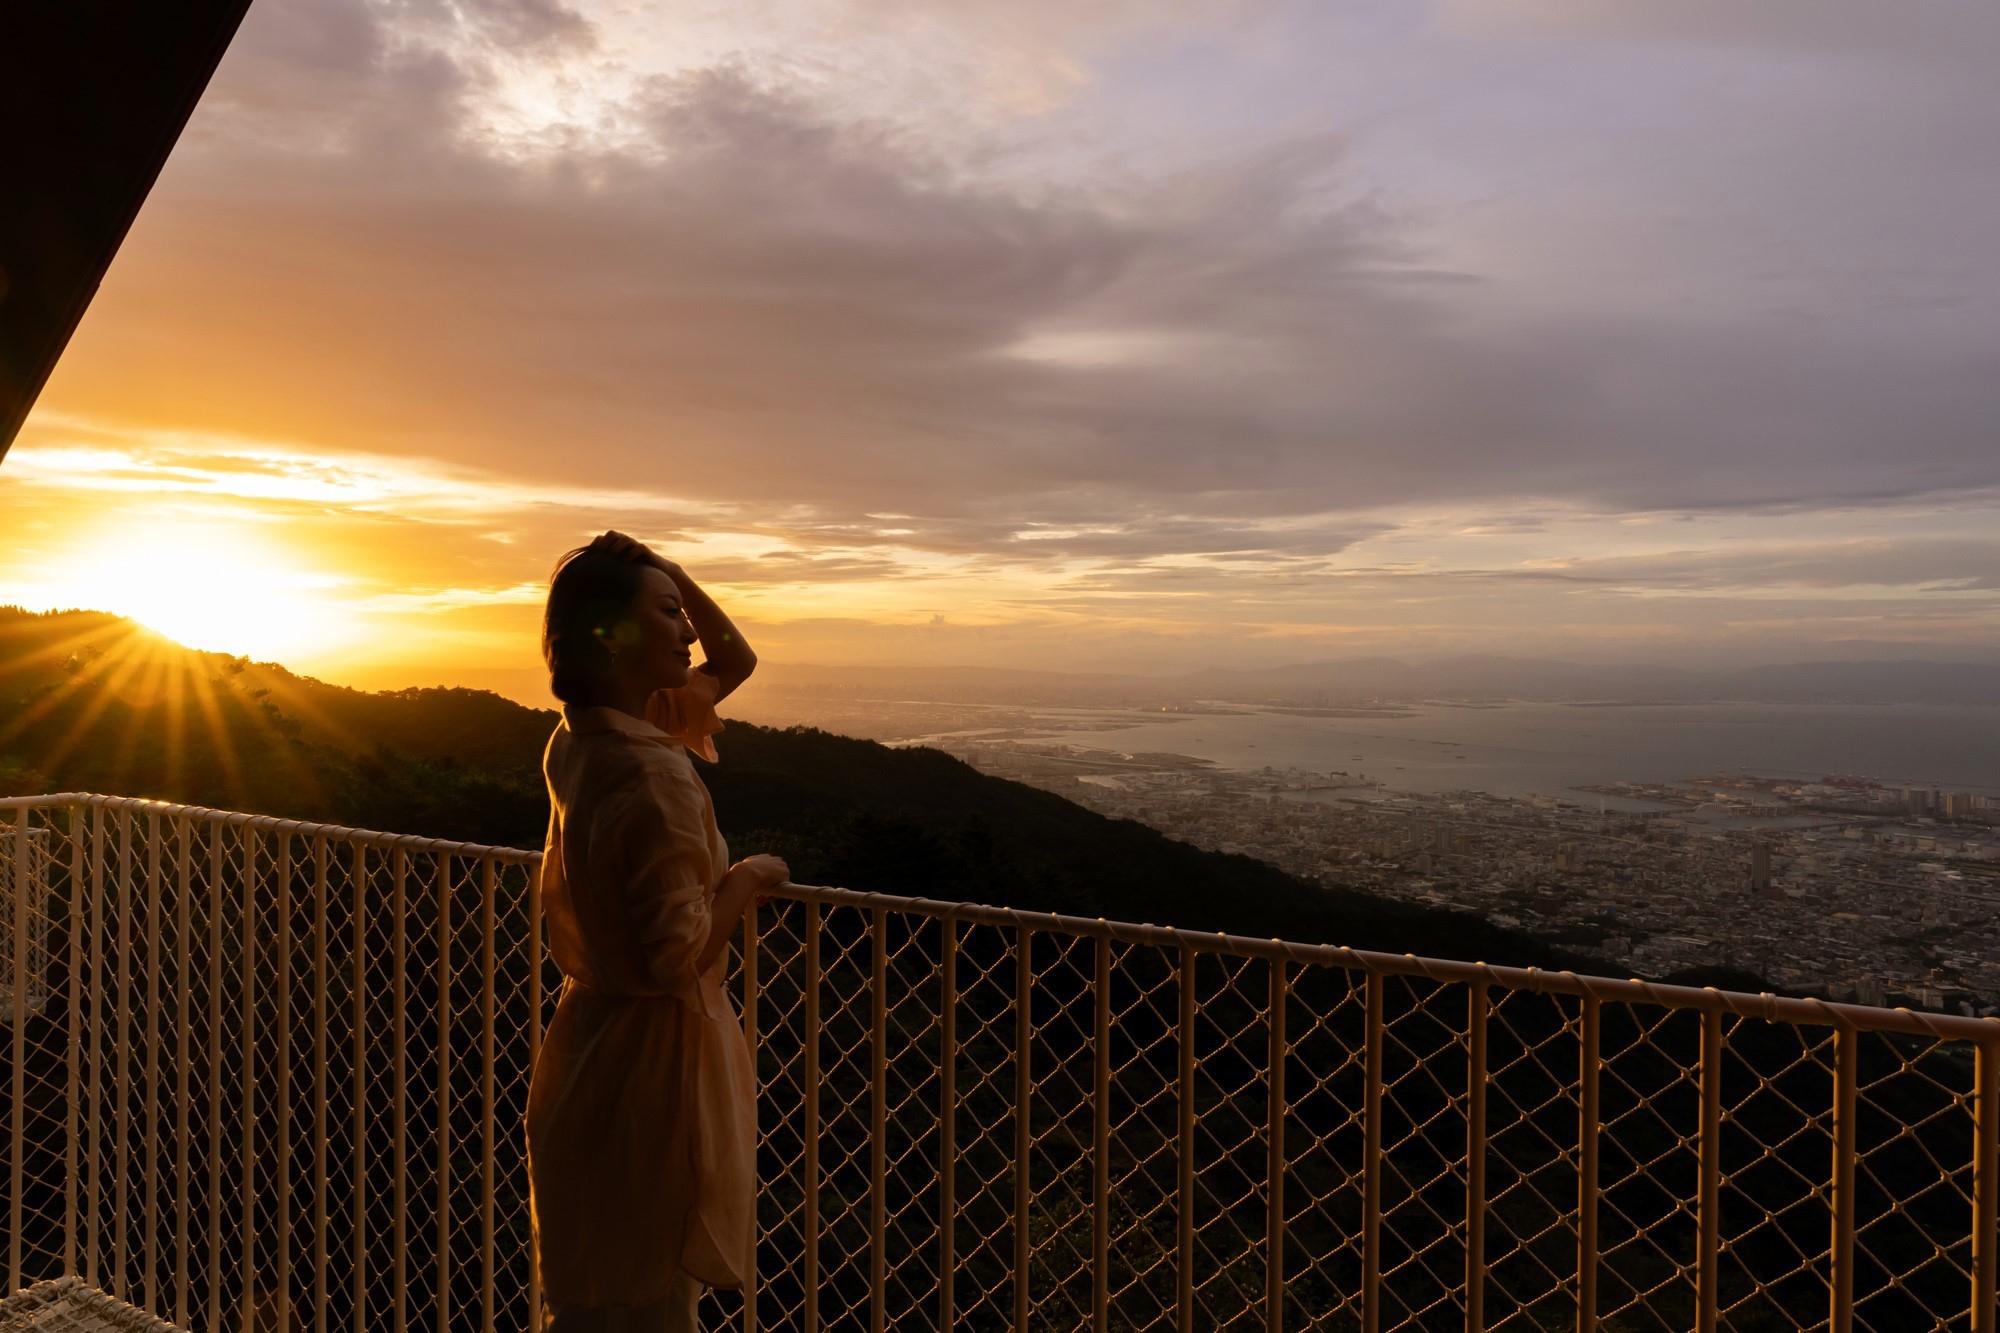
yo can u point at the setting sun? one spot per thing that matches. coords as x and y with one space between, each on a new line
214 586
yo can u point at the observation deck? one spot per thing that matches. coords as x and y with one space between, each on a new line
256 1073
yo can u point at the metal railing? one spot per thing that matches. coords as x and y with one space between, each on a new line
279 1069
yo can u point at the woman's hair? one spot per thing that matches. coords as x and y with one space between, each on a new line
591 591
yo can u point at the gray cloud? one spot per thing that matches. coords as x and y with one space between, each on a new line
1931 564
765 302
1926 29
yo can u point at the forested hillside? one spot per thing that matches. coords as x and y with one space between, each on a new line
94 703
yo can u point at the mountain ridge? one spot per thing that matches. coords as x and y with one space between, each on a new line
89 702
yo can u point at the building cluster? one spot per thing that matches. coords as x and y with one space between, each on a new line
1842 888
1832 795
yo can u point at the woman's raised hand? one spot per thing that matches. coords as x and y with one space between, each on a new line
631 548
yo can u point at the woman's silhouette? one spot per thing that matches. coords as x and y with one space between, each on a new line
642 1123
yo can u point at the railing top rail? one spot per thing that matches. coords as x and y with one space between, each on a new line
272 824
1776 1008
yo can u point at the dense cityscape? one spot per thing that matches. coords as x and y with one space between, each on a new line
1841 888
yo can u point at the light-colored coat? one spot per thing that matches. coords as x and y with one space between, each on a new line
642 1109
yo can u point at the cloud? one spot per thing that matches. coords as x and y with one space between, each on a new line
1932 29
1904 562
829 309
838 293
436 564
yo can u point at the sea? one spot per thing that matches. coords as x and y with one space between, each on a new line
1528 749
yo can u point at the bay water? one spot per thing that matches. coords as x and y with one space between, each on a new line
1524 749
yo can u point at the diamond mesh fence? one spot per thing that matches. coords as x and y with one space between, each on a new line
982 1119
278 1073
258 1074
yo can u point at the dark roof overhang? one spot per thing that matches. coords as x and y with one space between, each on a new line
93 94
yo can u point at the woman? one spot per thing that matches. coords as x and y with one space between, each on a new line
641 1113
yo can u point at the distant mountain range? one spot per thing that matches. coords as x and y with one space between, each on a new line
94 703
1386 679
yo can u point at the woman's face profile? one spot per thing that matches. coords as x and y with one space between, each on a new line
651 646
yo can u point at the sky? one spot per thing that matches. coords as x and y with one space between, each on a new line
1129 335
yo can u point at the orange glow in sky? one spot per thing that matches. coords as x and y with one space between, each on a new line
224 586
381 572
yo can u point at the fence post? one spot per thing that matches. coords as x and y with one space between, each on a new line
489 890
443 1219
810 1036
359 1240
1986 1188
1274 1167
1100 1146
1846 1063
1371 1161
16 1181
1184 1222
399 1080
1475 1159
1589 1114
216 862
878 1126
1024 1138
93 1181
750 992
322 872
122 1068
72 1074
184 1062
246 1298
1709 1245
751 1041
534 945
150 1187
947 1121
282 1083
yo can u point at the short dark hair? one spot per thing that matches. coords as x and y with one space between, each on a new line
590 592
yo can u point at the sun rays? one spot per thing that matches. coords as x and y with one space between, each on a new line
216 586
115 705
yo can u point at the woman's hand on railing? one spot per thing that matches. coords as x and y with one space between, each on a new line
748 879
771 872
